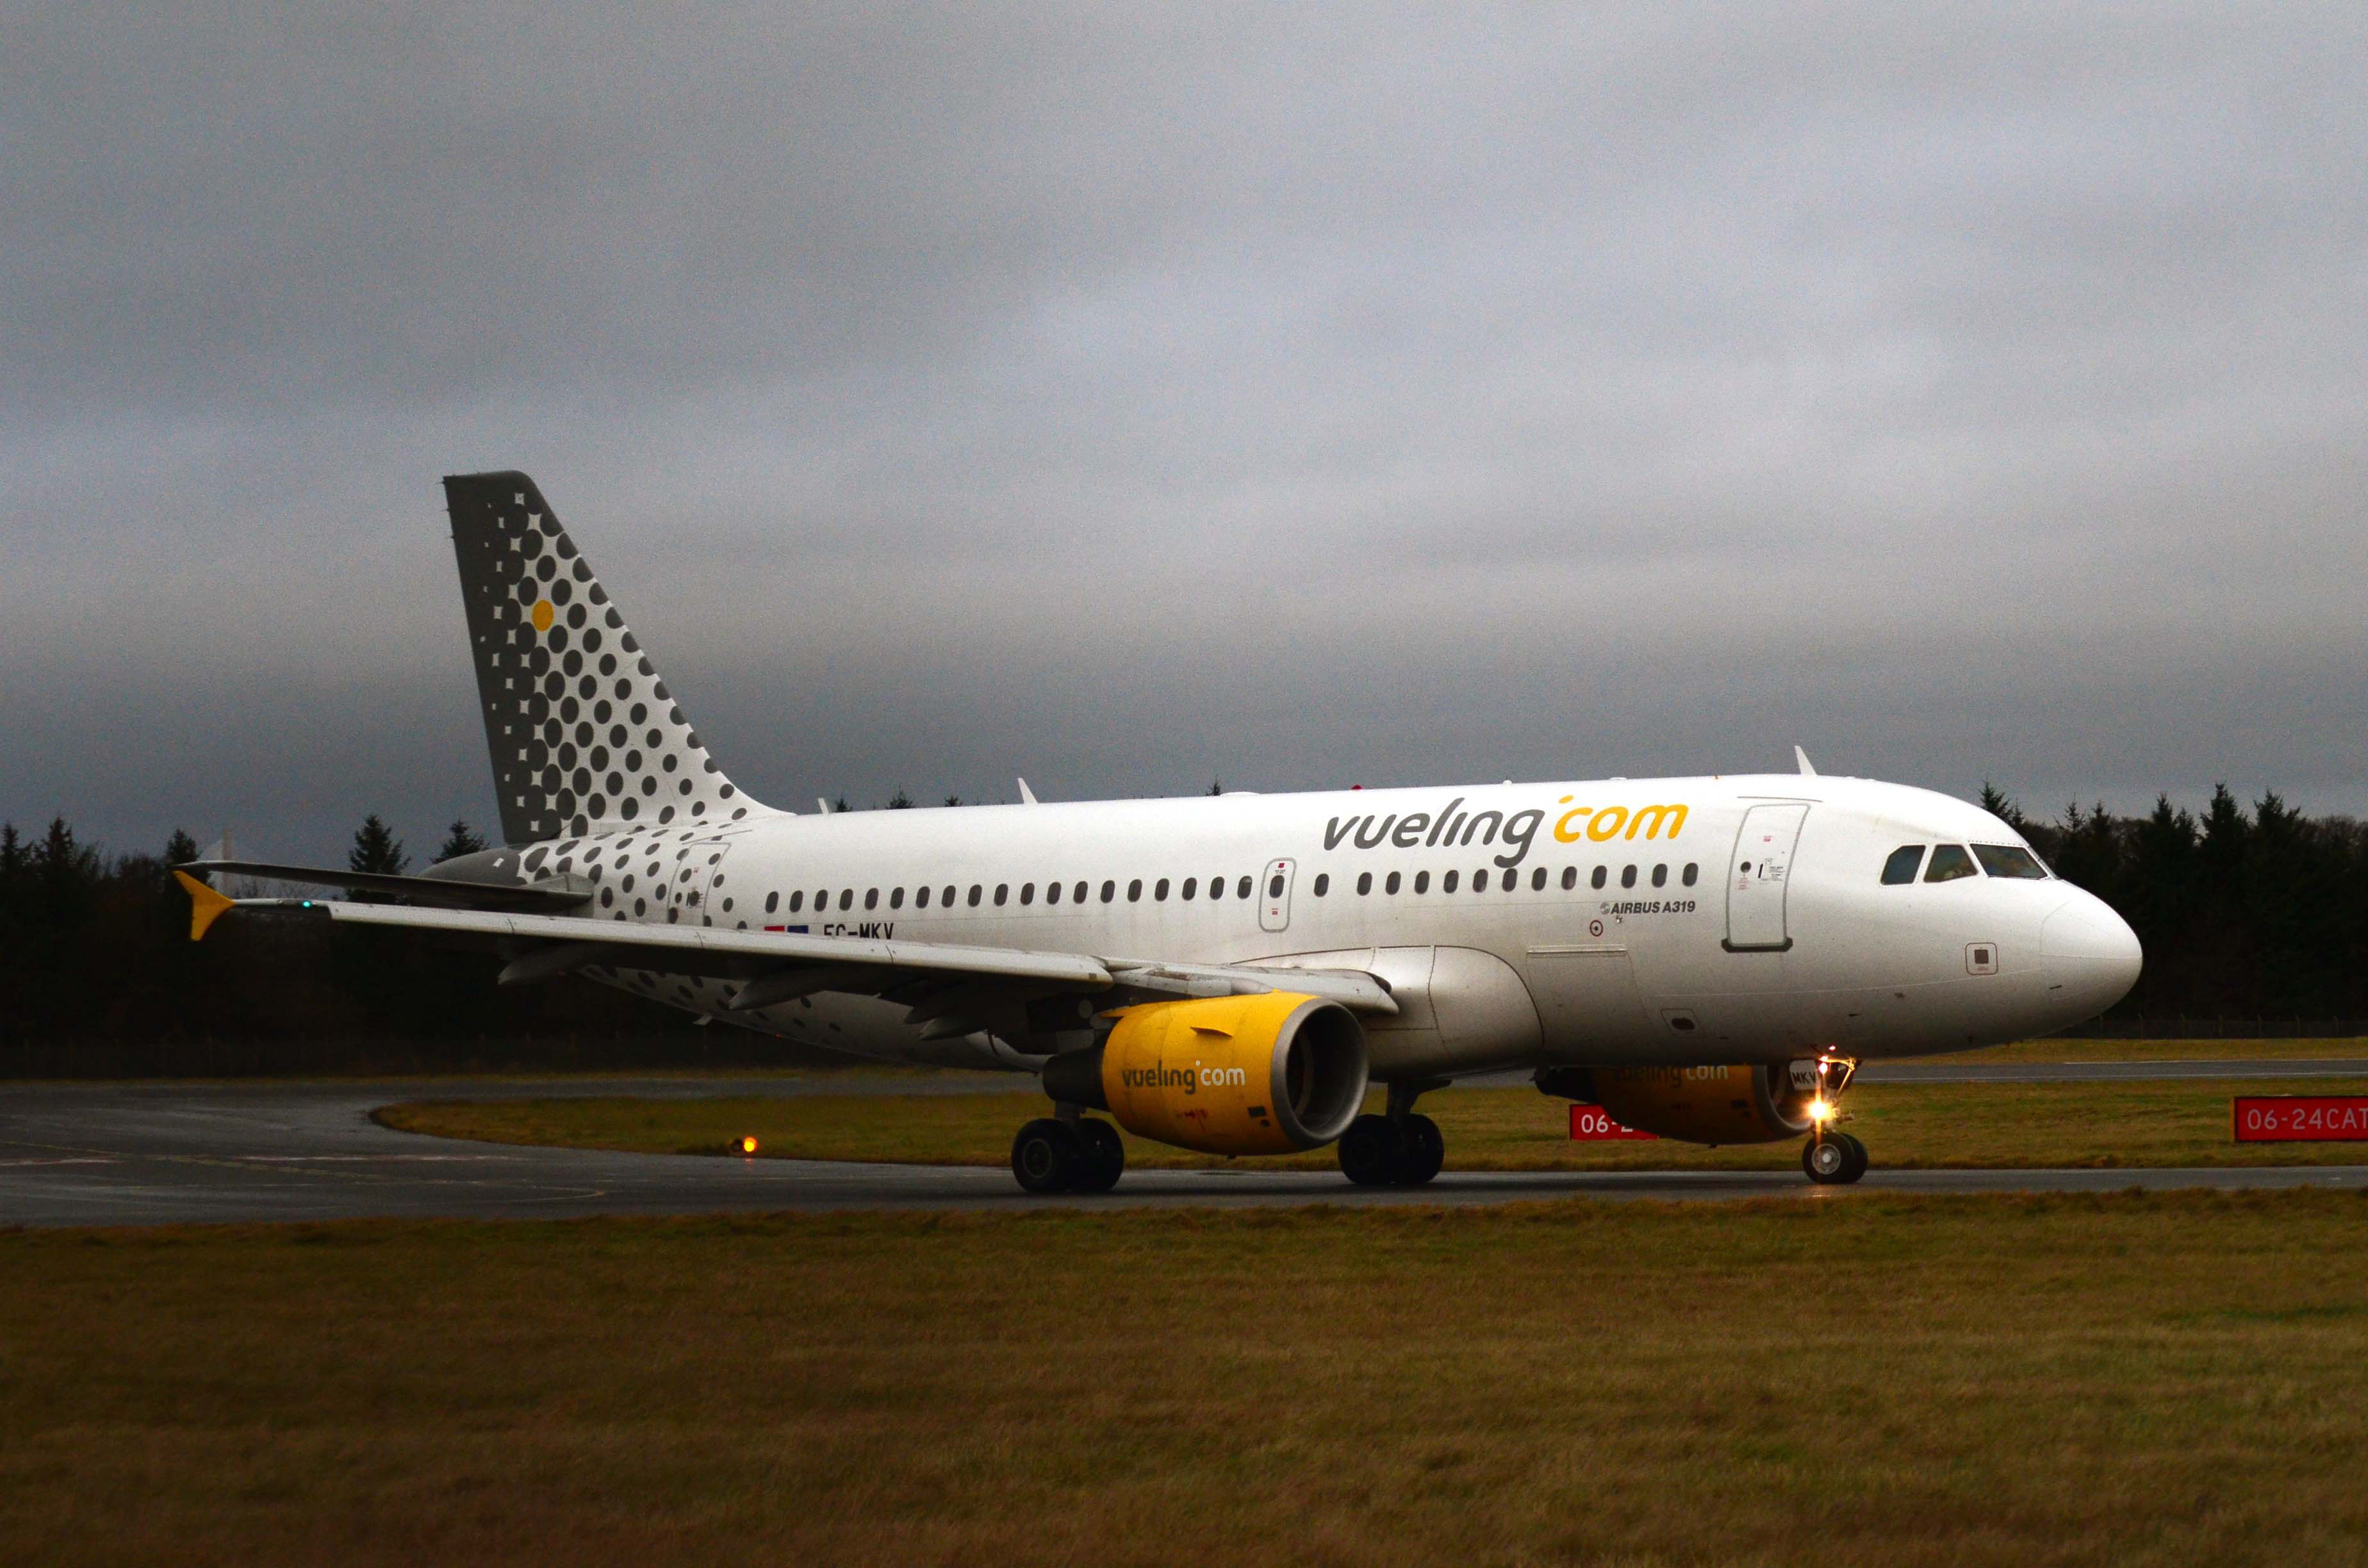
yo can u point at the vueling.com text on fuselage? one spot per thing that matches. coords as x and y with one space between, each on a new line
1454 827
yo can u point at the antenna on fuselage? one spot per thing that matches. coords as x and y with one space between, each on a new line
1803 758
1026 796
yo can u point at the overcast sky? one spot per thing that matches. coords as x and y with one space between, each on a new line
1301 395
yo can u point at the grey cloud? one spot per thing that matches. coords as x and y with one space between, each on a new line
1294 394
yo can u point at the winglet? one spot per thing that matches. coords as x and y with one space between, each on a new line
1027 795
1803 758
206 905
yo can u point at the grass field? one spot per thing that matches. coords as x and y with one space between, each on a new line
1905 1126
2176 1379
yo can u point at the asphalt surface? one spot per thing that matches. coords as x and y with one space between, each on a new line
164 1153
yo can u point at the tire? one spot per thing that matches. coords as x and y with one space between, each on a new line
1104 1157
1425 1152
1858 1160
1370 1151
1046 1156
1828 1160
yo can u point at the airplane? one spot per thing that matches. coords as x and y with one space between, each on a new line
1703 959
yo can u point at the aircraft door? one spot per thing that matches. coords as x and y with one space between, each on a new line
1274 895
1756 876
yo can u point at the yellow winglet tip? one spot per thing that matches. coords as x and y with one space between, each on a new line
206 905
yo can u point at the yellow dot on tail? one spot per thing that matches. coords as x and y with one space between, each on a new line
748 1145
543 614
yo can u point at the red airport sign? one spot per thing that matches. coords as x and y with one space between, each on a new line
1593 1124
2295 1119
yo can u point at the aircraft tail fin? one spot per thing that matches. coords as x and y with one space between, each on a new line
584 735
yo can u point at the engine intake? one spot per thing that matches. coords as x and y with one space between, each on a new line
1763 1104
1262 1074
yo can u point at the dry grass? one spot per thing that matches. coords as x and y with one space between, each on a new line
1905 1126
1878 1381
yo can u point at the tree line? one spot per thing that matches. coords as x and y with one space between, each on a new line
2244 914
2257 914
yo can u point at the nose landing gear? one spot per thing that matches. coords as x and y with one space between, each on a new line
1831 1157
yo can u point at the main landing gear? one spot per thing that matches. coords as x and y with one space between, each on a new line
1400 1149
1831 1157
1074 1153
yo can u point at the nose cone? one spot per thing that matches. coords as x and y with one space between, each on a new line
2090 956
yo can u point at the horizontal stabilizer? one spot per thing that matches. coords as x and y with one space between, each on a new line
446 893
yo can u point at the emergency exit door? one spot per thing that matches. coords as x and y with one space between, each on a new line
1274 895
1758 875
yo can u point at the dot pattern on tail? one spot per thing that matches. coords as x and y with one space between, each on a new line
586 738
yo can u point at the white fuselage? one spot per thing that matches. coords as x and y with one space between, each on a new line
1627 921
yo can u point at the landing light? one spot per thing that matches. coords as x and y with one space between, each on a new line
748 1145
1820 1111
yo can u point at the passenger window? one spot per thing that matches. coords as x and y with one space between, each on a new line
1422 881
1950 861
1051 892
1512 878
976 893
1078 894
1109 892
1002 891
949 899
846 898
1597 879
822 900
1159 890
1538 880
2011 861
1480 880
1660 876
920 898
1322 883
1901 867
797 901
896 898
1190 884
1027 894
772 901
1274 886
1446 883
1569 878
871 898
1693 871
1627 876
1135 891
1243 891
1364 883
1216 887
1391 885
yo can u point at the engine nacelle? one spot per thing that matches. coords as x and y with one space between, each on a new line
1262 1074
1700 1104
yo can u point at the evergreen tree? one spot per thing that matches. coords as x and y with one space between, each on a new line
376 849
840 805
953 800
459 840
1216 786
180 849
900 801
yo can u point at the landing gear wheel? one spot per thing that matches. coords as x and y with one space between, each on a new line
1835 1159
1104 1157
1371 1151
1425 1152
1046 1154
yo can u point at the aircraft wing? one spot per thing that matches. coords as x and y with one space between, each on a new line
551 894
780 965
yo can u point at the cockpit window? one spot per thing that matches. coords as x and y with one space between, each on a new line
2011 861
1901 867
1950 861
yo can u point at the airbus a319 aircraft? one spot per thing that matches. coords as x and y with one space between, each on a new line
1705 958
